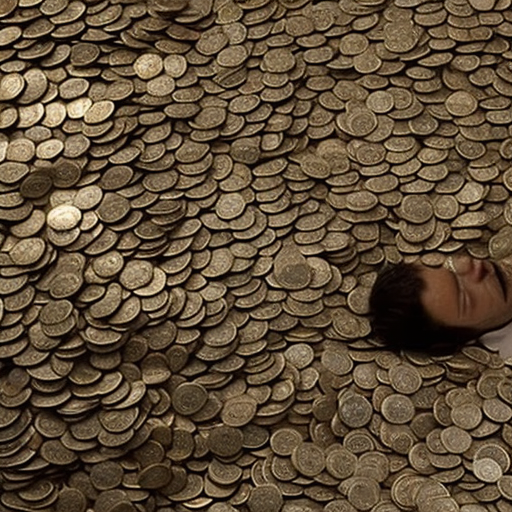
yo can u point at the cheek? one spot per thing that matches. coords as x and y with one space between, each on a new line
441 306
439 297
488 304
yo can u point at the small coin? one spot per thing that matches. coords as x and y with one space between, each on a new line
308 459
55 452
284 440
65 174
265 497
109 264
11 86
355 410
239 411
71 498
292 270
8 7
112 208
487 470
155 476
64 217
398 409
225 441
148 66
106 475
461 103
28 251
189 398
136 274
340 462
230 206
405 379
455 439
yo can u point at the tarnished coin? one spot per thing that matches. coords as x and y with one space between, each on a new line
340 462
291 269
106 475
11 86
455 439
109 264
239 411
405 379
113 208
28 251
308 459
155 476
189 398
225 441
265 497
487 470
355 410
398 409
284 440
65 174
8 7
461 103
136 274
55 452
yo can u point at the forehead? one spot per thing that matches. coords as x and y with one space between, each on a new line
439 294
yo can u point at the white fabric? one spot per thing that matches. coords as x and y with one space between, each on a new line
499 340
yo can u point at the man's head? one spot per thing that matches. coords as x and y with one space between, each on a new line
436 310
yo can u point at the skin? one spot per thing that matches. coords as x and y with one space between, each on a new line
470 294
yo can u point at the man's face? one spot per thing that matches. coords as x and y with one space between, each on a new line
468 292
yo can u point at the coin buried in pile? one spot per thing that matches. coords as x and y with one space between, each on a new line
195 198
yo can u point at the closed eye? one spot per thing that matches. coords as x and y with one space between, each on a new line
461 296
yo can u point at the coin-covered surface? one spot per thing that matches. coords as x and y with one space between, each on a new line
195 197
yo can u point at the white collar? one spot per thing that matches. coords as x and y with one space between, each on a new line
499 340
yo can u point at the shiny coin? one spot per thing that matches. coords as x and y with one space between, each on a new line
148 66
64 217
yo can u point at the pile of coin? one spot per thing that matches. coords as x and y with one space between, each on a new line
195 197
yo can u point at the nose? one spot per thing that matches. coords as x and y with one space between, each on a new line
463 267
457 264
468 269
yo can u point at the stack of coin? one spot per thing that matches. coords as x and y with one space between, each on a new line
194 200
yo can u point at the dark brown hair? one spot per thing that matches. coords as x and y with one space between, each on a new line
399 320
